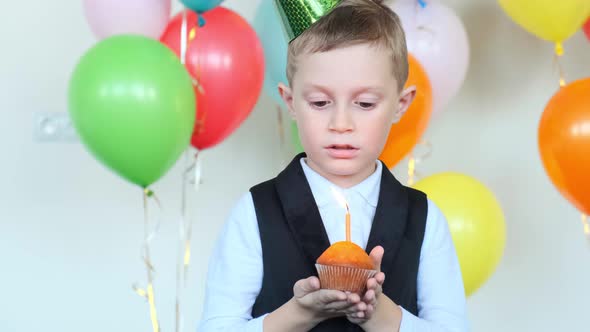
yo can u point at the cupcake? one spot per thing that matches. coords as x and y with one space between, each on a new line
345 266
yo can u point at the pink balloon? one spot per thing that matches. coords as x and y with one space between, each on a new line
114 17
437 38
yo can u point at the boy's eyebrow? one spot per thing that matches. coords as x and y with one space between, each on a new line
307 87
374 89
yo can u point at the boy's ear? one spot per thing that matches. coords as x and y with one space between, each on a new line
287 96
405 99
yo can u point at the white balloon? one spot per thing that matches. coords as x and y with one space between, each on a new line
437 38
114 17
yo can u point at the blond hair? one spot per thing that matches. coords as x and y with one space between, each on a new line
354 22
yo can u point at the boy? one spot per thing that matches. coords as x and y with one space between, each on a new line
346 73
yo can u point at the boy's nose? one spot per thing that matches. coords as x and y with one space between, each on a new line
341 120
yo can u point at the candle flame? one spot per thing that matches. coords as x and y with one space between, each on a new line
340 198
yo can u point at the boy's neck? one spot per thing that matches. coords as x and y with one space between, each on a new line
343 181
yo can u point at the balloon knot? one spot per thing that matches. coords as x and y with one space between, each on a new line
201 21
558 49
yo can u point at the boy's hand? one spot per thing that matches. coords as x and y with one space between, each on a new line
324 303
374 289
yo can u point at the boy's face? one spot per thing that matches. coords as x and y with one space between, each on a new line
344 102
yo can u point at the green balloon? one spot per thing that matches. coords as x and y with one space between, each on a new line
295 137
133 105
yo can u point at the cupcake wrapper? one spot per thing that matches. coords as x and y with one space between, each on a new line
344 278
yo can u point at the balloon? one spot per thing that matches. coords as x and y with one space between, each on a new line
436 36
551 20
226 58
114 17
132 103
295 137
564 142
267 24
201 6
407 132
475 220
587 29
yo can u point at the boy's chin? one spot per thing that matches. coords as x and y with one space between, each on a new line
346 167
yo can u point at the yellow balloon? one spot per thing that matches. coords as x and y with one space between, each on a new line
476 222
552 20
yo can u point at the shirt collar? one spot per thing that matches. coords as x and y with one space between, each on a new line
368 189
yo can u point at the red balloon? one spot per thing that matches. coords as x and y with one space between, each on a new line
587 29
226 58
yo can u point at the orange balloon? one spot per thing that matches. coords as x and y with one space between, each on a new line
564 142
404 135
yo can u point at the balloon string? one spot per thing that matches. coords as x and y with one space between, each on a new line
414 160
411 170
149 235
183 184
557 62
183 37
183 202
185 234
586 224
191 175
423 21
281 132
191 36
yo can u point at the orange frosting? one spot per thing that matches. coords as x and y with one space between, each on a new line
346 253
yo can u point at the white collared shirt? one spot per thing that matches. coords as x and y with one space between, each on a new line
235 271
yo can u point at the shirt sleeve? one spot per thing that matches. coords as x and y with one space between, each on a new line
441 296
234 277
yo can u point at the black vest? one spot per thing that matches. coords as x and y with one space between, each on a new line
293 237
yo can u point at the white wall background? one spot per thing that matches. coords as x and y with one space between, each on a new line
70 231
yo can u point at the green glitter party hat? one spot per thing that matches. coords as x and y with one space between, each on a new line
298 15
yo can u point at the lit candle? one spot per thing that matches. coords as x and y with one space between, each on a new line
340 198
347 224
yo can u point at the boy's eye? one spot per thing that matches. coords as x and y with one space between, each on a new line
365 105
319 104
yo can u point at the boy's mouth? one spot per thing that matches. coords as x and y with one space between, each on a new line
342 151
342 147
